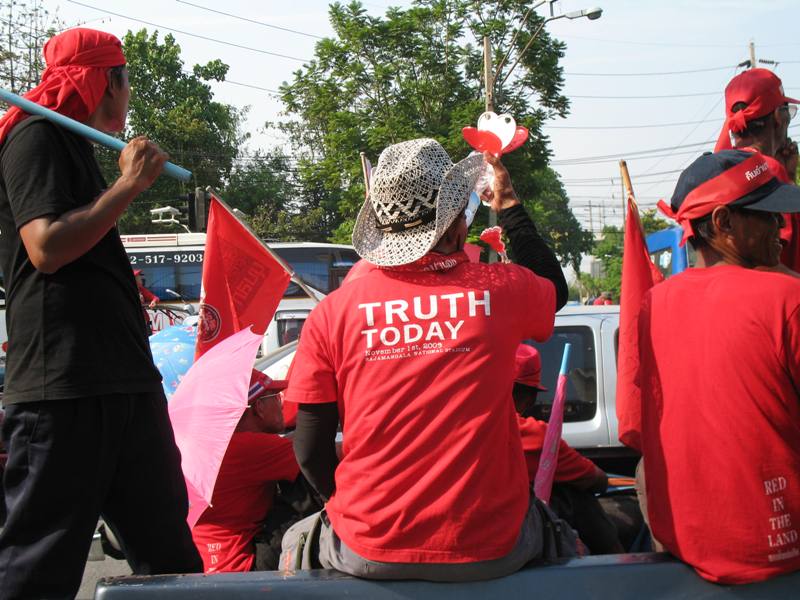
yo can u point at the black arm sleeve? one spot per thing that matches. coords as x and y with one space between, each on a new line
315 445
531 251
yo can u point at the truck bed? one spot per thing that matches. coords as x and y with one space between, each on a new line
645 575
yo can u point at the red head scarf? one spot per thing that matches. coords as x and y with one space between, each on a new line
724 189
761 90
75 78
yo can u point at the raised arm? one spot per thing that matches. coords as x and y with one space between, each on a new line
530 250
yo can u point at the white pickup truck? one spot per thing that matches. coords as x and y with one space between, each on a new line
590 419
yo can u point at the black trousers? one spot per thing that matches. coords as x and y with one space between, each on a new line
586 516
71 461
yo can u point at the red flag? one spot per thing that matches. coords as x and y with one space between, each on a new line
639 274
243 281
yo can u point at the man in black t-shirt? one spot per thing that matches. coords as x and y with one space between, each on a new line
86 421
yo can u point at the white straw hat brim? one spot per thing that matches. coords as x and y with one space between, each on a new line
388 249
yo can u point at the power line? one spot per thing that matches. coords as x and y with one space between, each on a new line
603 157
606 179
654 125
652 43
195 35
708 70
628 158
262 23
663 96
247 85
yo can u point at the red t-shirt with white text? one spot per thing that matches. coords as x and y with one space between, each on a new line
420 360
719 374
571 466
242 497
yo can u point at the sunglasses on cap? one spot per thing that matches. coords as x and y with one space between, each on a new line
264 396
472 208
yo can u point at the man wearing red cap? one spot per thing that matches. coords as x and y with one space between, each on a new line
757 118
86 421
719 374
577 478
231 534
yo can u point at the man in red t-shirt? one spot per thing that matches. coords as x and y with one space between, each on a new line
719 374
416 359
757 118
256 460
147 298
577 478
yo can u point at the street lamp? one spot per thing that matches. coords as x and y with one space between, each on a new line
490 76
590 13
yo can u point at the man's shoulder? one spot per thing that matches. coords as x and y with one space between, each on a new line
33 128
35 135
734 282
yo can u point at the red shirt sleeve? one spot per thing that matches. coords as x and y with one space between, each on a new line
791 346
147 294
571 465
533 298
313 378
269 457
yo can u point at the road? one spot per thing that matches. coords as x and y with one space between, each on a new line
98 569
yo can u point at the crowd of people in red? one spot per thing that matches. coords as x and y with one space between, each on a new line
423 362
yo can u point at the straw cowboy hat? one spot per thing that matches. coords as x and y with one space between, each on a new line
415 194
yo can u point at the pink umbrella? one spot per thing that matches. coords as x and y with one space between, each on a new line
543 483
205 410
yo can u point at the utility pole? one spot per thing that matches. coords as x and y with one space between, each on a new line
488 80
488 73
752 55
591 220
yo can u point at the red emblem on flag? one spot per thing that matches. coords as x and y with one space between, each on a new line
243 280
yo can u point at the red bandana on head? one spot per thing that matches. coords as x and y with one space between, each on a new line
725 188
75 78
762 92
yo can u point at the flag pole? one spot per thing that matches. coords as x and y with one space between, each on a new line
366 170
626 181
294 276
94 135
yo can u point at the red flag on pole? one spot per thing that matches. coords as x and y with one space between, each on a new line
639 274
243 280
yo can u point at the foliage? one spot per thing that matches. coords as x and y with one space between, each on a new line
417 72
175 108
608 250
24 29
262 186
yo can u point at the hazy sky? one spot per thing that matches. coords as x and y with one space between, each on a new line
633 37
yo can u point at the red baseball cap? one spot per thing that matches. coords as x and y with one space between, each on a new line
261 383
137 272
761 90
529 367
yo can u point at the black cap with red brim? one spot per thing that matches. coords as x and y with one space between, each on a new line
730 177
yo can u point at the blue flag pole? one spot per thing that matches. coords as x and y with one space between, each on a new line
94 135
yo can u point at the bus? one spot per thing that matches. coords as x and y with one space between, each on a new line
172 268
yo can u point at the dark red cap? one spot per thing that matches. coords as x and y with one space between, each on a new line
529 367
260 383
761 90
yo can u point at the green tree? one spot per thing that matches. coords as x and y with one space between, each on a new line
175 107
417 72
608 249
263 187
24 29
